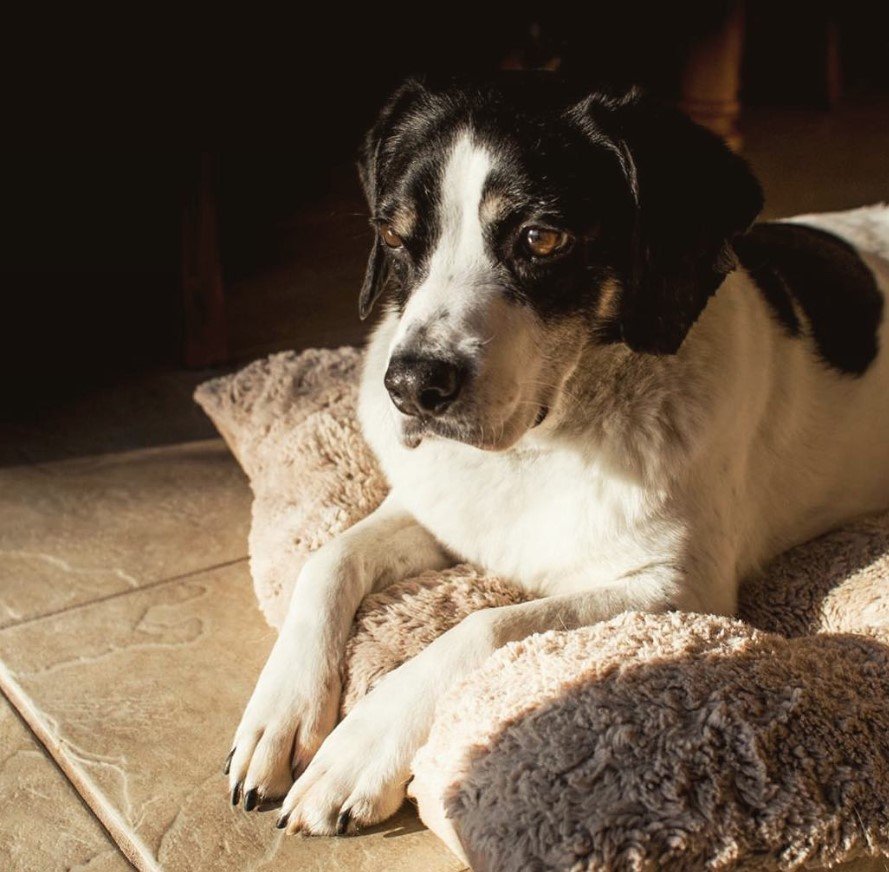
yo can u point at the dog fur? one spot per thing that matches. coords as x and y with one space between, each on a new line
643 418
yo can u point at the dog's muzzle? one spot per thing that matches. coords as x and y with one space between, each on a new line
424 386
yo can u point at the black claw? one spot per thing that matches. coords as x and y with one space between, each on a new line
228 762
250 799
282 821
236 793
342 822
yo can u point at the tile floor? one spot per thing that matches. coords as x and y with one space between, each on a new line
46 824
129 642
129 639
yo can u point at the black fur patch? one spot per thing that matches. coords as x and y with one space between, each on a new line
650 200
830 284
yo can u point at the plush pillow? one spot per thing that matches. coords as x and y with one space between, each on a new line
680 740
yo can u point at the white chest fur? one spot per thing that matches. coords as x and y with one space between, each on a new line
547 517
775 448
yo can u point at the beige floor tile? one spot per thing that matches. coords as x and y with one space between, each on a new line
138 696
76 530
43 823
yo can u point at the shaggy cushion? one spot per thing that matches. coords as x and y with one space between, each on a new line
649 741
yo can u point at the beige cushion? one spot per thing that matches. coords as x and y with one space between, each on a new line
678 740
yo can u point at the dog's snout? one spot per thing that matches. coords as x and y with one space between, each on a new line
423 386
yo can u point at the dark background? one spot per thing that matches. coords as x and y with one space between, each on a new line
106 112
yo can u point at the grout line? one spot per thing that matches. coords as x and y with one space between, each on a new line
151 585
55 765
132 846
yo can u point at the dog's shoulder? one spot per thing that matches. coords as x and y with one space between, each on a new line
817 284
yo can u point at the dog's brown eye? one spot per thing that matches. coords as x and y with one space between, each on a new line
543 242
390 237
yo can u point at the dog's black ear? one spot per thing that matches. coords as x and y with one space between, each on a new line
691 197
373 158
374 281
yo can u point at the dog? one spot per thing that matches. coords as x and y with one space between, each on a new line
594 376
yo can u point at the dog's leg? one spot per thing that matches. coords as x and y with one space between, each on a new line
296 700
359 774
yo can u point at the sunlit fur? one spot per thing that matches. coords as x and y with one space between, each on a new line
655 482
700 465
460 310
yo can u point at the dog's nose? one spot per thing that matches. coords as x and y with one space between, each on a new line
423 386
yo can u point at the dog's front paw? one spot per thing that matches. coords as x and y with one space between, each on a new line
359 775
292 710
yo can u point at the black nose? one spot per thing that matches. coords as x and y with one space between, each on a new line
423 385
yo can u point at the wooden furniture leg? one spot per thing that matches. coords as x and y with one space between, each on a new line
711 80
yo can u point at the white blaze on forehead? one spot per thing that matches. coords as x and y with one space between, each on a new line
461 244
459 261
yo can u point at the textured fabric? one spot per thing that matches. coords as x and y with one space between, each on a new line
647 742
675 741
290 421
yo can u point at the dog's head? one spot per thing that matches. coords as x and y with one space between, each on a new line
517 222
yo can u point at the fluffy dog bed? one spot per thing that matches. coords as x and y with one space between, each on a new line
651 741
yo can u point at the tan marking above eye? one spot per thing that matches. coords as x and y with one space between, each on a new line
544 242
389 236
494 206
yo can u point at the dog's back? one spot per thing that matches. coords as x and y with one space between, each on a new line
824 455
867 229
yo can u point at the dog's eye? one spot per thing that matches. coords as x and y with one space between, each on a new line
543 242
390 237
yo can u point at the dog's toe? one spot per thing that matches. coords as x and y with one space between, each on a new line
270 773
341 792
285 722
239 764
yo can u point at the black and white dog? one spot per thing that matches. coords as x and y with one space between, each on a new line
593 378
